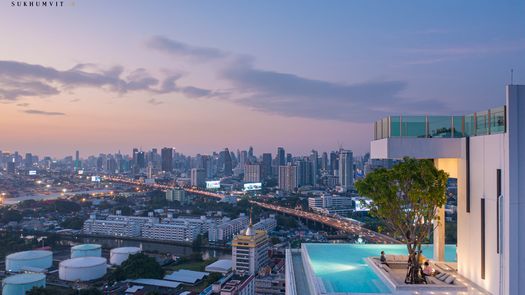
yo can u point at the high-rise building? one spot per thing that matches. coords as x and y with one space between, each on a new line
166 155
77 161
484 152
198 177
324 162
250 250
304 172
314 157
288 178
252 173
346 169
28 161
267 165
141 160
11 166
334 163
281 156
179 195
228 165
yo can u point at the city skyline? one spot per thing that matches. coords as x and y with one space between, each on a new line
186 75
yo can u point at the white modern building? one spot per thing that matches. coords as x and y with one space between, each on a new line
111 228
224 230
485 151
266 224
170 232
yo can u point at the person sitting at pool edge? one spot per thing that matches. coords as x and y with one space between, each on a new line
383 259
429 270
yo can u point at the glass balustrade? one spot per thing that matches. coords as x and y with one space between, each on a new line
482 123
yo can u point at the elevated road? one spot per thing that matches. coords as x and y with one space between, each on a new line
344 225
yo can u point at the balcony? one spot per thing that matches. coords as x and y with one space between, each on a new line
488 122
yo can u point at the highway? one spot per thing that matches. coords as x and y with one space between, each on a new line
343 225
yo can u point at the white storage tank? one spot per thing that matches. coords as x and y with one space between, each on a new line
119 255
34 259
82 269
86 250
21 283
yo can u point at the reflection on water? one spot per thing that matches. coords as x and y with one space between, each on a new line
176 250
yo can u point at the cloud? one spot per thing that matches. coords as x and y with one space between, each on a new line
19 79
24 104
292 95
45 113
178 48
155 102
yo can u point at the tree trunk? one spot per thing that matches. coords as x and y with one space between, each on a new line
413 275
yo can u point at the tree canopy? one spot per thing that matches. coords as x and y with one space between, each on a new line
406 197
137 266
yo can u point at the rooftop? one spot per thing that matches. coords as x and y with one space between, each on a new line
492 121
186 276
155 282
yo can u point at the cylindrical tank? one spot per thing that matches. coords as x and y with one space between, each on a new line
21 283
86 250
82 269
34 258
119 255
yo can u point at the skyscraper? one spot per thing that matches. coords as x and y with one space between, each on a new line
281 156
141 160
166 155
346 169
77 161
267 165
228 165
252 173
314 156
288 178
28 161
198 177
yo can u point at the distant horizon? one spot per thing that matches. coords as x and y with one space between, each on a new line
257 153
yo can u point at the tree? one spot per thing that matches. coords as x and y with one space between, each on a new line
407 197
73 223
137 266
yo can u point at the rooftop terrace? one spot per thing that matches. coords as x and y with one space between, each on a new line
487 122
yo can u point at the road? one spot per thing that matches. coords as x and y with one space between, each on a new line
344 225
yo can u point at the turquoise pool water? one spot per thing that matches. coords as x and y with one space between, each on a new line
342 267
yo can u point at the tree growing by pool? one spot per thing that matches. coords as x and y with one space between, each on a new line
407 197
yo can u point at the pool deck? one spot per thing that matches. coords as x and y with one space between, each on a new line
303 282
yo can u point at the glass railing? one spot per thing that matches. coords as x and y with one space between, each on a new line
482 123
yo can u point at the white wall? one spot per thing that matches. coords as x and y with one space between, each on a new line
486 156
514 193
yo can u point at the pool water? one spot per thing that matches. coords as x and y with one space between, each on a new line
342 268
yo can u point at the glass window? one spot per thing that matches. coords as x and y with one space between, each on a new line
458 126
482 123
497 120
395 126
440 126
414 126
469 125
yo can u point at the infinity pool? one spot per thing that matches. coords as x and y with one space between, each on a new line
342 268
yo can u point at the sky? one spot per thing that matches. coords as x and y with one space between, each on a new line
101 76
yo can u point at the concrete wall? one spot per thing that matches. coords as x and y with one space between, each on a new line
514 194
487 154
